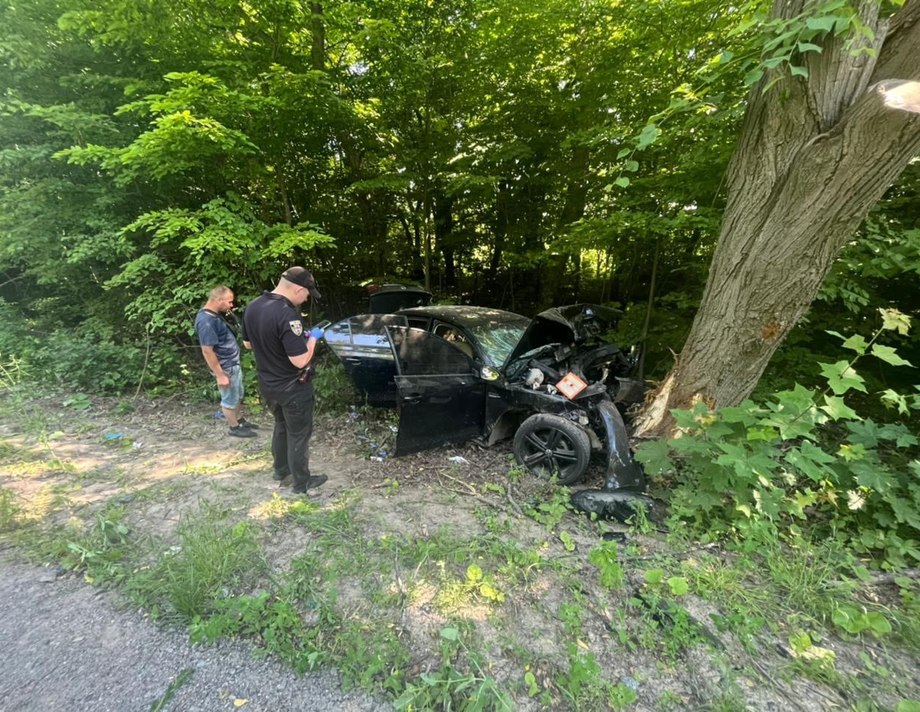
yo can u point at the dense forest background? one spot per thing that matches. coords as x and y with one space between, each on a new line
512 154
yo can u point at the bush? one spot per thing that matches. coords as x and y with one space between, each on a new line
803 461
91 358
335 391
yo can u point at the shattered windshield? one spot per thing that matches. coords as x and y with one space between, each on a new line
498 338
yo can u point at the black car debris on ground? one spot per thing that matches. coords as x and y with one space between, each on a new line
460 372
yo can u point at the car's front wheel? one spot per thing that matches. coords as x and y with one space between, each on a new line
550 445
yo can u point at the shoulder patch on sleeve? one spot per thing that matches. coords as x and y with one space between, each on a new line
296 327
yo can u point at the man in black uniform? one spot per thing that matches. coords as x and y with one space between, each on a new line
283 351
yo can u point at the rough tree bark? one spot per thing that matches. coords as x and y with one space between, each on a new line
814 156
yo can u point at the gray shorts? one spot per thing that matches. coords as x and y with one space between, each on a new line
232 395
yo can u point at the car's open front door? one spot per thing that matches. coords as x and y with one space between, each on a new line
441 395
361 344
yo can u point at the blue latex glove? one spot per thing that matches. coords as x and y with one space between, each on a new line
317 332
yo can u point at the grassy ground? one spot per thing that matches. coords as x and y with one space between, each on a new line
441 583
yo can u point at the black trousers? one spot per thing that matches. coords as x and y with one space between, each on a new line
293 413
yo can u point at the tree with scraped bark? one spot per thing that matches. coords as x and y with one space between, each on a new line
826 133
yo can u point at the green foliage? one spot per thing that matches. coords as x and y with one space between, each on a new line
585 687
8 509
92 357
335 391
855 621
476 586
786 42
449 688
197 248
100 551
10 372
150 152
208 564
551 510
604 557
273 621
802 460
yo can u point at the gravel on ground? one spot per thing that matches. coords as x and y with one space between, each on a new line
68 646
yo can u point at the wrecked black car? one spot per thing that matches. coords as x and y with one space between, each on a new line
461 372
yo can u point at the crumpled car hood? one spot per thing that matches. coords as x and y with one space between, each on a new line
568 325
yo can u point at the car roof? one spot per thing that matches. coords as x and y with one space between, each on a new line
465 315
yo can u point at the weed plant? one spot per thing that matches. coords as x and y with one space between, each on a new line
335 391
454 686
211 561
9 509
803 464
101 549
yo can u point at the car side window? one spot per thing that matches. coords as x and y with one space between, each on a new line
455 337
370 329
422 354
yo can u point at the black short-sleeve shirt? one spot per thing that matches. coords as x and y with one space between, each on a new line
274 328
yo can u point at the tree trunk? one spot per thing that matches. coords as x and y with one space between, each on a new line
501 233
444 234
555 280
318 38
814 156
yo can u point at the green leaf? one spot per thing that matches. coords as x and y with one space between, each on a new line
684 419
450 633
821 24
752 77
808 47
842 378
648 136
893 320
894 399
746 414
678 585
655 456
798 71
889 355
531 681
870 475
849 619
837 409
653 577
878 624
905 512
800 641
622 182
810 460
898 433
795 401
631 166
765 434
856 343
473 573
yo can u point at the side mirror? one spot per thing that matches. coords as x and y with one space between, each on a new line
487 373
